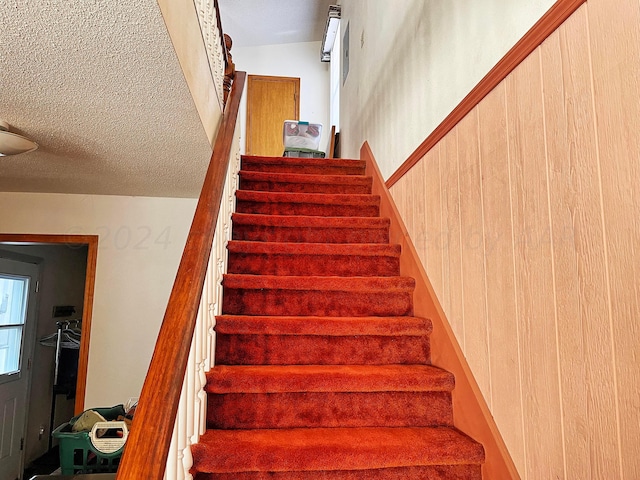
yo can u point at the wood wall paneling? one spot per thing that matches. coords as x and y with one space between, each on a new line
451 254
432 237
503 334
472 248
615 55
534 273
552 173
579 255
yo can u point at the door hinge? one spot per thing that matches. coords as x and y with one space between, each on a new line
29 363
22 444
37 286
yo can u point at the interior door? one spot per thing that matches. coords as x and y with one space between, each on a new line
18 283
270 101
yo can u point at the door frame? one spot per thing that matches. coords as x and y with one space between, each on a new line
89 287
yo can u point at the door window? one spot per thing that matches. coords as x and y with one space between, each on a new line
13 303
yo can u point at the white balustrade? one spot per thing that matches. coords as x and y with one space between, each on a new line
191 417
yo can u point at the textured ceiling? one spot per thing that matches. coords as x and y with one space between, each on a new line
270 22
98 86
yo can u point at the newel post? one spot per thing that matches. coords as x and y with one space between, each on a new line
230 68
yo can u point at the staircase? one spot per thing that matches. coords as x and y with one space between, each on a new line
322 371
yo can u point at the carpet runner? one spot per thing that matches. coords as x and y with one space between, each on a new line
322 371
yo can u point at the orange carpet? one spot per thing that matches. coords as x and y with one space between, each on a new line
322 371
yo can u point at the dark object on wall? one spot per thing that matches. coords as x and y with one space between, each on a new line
63 311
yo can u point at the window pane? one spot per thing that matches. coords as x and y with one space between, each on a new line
12 300
10 342
13 306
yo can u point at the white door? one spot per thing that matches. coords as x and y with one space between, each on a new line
18 282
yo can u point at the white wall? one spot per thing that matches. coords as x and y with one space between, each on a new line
141 241
300 60
413 61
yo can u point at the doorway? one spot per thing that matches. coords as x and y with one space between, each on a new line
67 270
270 101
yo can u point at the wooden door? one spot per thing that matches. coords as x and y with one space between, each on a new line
270 101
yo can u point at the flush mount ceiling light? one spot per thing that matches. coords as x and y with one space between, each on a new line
12 143
330 32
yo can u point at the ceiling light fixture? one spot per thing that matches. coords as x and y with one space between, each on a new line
12 143
330 32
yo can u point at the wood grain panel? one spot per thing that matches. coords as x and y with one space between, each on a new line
476 344
534 273
431 192
270 101
472 414
451 257
503 338
560 180
587 378
615 53
419 227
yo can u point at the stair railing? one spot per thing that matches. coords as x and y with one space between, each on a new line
186 335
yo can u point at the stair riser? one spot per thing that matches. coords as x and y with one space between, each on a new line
321 350
317 265
266 186
329 409
261 233
238 301
431 472
310 169
310 209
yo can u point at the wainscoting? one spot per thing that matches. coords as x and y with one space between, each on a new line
527 218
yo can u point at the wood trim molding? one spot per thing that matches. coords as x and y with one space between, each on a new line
89 287
544 27
146 450
471 413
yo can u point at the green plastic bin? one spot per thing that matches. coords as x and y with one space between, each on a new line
78 454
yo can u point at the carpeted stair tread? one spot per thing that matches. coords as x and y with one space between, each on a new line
330 326
293 248
323 166
428 472
318 296
321 369
306 221
312 204
304 183
329 409
256 349
290 258
301 228
274 340
321 449
327 378
340 284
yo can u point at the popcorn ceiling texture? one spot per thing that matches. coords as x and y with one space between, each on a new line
98 86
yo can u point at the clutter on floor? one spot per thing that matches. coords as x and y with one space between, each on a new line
93 441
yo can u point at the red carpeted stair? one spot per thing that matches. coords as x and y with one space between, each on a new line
322 371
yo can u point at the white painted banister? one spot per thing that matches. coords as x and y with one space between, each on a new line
191 417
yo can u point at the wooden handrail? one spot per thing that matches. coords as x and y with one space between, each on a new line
145 453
